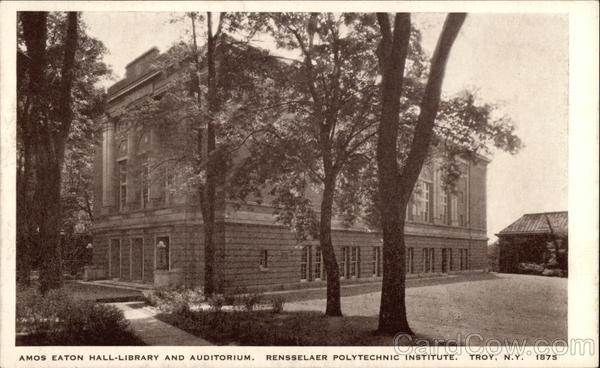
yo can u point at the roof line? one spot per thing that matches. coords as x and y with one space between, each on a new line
153 48
545 213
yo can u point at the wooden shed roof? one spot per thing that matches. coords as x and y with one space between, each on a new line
537 223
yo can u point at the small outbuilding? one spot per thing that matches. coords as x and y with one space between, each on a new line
535 240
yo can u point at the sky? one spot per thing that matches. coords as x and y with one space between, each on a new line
517 61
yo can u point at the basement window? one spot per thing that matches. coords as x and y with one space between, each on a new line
264 260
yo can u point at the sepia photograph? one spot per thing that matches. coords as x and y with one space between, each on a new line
289 178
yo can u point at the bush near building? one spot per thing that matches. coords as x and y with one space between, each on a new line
59 319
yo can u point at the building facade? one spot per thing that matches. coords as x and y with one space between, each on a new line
146 232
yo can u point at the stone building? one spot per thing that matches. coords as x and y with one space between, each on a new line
144 233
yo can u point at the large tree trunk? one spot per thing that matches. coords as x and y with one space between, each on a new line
24 215
331 266
34 34
392 53
49 139
209 197
395 188
48 195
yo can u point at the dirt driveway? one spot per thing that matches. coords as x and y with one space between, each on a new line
502 306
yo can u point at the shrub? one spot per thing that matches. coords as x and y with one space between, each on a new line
530 268
277 303
249 301
58 319
216 302
169 300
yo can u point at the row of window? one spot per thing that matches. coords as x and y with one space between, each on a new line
126 259
311 267
162 175
420 208
143 177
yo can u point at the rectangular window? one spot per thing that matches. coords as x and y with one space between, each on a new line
122 184
377 271
168 185
304 268
264 260
446 260
354 262
445 208
114 258
452 214
428 202
137 259
428 260
318 264
344 262
463 259
374 260
410 262
145 183
163 253
461 208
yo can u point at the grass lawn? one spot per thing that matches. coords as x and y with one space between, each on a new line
442 311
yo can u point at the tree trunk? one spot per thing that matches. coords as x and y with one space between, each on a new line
395 189
392 53
48 194
24 218
49 139
35 34
50 165
331 267
211 166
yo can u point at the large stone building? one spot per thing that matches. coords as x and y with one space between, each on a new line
145 233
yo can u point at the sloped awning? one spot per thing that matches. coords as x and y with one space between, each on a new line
539 223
